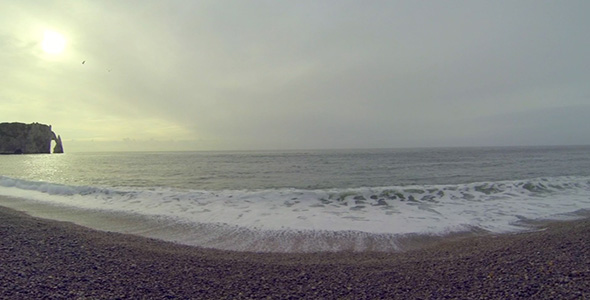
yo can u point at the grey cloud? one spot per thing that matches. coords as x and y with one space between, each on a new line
268 74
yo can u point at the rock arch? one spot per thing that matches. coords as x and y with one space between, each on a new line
20 138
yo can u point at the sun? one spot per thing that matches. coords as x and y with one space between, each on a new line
53 42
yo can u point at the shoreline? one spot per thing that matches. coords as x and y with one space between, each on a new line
299 241
53 259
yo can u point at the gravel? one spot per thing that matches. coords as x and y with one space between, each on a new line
56 260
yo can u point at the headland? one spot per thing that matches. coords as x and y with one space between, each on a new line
34 138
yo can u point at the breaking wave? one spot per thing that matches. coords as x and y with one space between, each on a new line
285 220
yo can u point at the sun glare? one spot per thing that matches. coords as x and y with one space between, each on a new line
53 42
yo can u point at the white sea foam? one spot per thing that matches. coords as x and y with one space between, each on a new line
311 220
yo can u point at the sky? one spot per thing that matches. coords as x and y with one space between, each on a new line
261 75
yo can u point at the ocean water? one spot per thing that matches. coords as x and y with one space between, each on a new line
302 201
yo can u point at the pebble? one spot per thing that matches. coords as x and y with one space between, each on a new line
56 260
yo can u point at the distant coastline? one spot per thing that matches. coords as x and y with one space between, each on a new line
34 138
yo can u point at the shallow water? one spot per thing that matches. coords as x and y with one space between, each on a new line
303 200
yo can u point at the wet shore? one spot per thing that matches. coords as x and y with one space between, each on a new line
42 258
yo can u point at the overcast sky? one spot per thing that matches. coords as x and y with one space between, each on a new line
236 75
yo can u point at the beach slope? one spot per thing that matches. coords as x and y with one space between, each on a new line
49 259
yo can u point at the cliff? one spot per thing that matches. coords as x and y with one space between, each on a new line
20 138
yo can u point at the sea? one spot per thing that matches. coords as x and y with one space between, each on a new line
304 200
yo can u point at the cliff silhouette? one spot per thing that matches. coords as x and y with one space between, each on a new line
21 138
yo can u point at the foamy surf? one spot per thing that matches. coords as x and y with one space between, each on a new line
299 220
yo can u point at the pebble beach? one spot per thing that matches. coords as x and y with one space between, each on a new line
49 259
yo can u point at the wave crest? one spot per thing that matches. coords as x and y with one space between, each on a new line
292 218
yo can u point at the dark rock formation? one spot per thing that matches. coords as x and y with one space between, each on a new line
20 138
59 147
